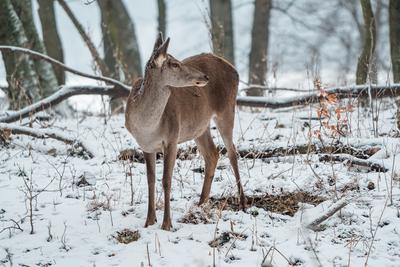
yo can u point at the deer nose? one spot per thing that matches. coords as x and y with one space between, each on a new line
206 77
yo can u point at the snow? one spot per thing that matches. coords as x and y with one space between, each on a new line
84 219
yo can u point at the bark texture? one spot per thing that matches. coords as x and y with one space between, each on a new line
44 71
394 23
162 17
23 82
259 46
51 38
365 60
222 29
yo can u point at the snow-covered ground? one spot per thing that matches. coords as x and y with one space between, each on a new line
76 225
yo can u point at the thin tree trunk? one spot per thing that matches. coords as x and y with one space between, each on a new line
222 29
365 59
92 48
23 82
51 38
44 70
162 17
375 56
121 47
259 46
394 23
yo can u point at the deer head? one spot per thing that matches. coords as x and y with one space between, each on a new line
169 71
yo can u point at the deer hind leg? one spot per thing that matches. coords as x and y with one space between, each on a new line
225 127
150 159
210 154
169 162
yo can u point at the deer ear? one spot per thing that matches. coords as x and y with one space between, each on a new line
161 53
163 48
158 42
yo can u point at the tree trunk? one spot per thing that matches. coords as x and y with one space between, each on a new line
162 17
44 70
375 56
394 23
222 29
23 82
365 59
121 47
259 46
51 38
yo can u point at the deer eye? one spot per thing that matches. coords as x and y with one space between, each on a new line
174 65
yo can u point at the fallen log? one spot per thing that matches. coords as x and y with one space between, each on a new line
46 133
353 162
189 152
357 91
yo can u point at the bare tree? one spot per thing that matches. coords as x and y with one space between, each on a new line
222 29
369 42
23 82
51 38
394 23
162 17
259 46
121 47
44 70
119 31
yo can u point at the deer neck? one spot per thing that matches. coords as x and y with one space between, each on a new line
150 104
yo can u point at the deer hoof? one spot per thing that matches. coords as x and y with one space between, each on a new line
150 221
166 226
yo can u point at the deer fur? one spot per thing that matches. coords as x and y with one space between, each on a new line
175 103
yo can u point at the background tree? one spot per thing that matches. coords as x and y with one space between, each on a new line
162 17
51 38
44 70
394 23
23 82
119 31
369 42
259 46
120 44
222 29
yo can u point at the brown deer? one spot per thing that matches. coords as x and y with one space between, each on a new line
175 103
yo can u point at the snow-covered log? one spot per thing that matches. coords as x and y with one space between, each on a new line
46 133
353 162
314 97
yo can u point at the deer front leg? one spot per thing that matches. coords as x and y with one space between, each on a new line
150 159
169 162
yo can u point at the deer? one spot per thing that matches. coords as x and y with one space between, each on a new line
175 103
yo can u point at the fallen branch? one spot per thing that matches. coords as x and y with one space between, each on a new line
357 91
189 152
53 61
61 95
46 133
315 224
352 162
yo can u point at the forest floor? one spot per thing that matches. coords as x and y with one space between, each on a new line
91 211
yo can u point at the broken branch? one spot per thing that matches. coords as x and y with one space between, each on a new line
61 95
315 224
